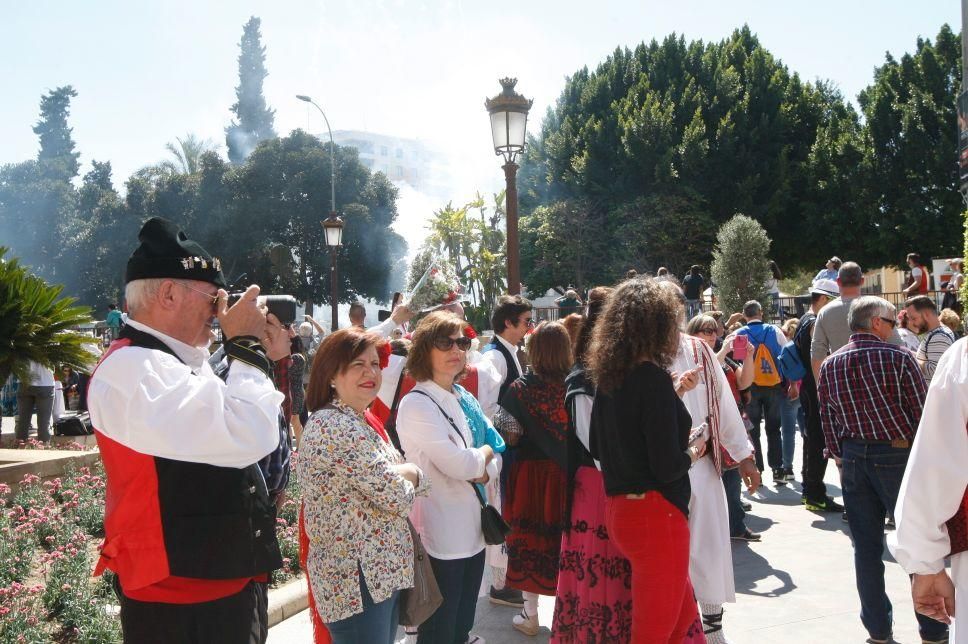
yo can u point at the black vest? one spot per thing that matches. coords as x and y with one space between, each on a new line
218 522
513 373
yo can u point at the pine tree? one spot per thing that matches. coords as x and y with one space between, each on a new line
739 267
57 155
255 118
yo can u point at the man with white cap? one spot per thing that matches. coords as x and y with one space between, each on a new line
814 491
932 506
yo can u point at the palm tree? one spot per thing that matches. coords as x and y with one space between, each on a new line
36 324
188 153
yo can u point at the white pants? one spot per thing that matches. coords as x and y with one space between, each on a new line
710 556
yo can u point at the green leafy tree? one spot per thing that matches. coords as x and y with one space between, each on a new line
57 155
255 119
36 323
910 153
739 268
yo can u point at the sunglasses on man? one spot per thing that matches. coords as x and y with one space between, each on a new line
446 344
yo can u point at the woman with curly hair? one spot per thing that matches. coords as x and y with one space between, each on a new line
640 434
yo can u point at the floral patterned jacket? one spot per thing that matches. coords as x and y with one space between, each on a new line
355 508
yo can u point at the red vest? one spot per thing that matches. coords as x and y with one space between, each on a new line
958 525
179 532
382 411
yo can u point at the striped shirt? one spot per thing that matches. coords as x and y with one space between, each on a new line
935 343
871 390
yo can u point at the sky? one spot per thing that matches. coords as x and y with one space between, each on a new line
147 72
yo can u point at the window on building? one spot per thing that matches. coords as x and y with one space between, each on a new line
384 151
399 153
399 172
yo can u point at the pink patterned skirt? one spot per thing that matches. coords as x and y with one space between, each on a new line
594 598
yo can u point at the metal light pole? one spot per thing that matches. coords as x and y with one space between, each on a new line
509 122
333 225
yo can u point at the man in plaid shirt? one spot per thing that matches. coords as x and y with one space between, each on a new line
871 396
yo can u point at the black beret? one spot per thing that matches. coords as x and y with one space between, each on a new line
167 252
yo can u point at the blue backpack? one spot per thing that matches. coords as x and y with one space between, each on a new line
789 362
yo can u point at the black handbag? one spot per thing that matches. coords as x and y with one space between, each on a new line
493 525
417 604
73 424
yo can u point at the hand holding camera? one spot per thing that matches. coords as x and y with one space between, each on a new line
244 317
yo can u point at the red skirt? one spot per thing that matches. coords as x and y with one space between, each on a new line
320 632
534 507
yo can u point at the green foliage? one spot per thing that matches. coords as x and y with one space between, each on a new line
911 147
471 240
255 122
57 155
36 323
739 267
705 130
188 154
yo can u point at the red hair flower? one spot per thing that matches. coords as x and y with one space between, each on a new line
383 351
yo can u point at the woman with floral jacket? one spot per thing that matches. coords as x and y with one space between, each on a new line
357 496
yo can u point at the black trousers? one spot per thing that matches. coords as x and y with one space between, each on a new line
814 463
241 618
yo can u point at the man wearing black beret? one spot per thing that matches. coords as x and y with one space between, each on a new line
189 528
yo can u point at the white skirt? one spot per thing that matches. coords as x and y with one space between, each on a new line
710 556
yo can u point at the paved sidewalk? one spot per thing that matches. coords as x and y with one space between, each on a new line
795 587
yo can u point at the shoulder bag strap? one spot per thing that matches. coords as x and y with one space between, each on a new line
450 420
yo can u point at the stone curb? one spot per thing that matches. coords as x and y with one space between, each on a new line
286 601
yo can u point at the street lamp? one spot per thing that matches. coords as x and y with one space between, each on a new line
509 123
333 225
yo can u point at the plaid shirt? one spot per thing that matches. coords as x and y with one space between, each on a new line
871 390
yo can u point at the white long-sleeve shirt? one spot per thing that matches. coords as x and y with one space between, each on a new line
150 402
937 471
449 518
497 360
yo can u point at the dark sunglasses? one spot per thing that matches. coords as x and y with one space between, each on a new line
890 321
708 329
446 344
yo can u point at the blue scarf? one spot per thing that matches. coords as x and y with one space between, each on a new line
482 431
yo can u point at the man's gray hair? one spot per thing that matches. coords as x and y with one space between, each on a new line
866 308
752 309
138 293
850 274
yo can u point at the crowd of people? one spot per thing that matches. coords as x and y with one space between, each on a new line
599 460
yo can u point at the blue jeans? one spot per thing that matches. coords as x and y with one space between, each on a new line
459 581
765 403
693 308
788 427
377 623
872 479
733 484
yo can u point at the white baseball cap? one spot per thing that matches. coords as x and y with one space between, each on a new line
825 287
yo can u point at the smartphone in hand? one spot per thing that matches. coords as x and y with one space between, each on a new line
741 345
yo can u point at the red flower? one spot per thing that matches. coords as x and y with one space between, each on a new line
384 352
469 332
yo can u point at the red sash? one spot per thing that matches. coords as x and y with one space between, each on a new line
958 525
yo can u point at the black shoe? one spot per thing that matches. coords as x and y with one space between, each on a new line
746 506
507 597
826 505
746 535
889 524
779 476
788 474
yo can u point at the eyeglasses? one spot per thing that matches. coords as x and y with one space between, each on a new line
214 298
711 330
890 321
446 344
528 322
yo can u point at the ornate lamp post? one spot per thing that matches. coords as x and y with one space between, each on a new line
509 122
332 225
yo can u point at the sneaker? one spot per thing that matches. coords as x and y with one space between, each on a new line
507 597
475 639
747 535
747 506
788 474
889 524
527 624
826 505
779 476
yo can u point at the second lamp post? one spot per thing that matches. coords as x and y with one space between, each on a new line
332 225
